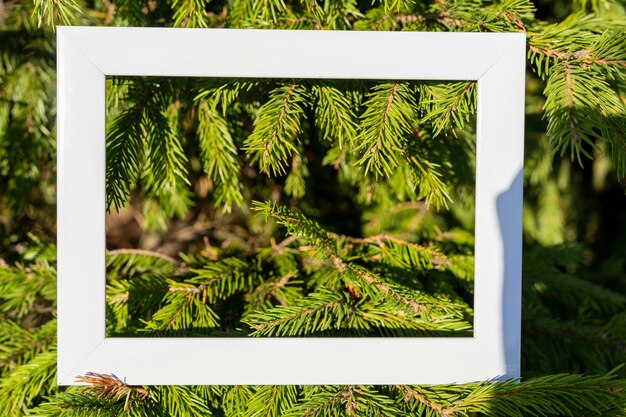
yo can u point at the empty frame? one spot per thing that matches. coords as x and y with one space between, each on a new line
86 55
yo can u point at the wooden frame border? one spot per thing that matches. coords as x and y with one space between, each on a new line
86 55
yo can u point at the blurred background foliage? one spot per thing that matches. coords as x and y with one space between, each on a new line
196 160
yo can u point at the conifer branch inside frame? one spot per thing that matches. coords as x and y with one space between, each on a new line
305 243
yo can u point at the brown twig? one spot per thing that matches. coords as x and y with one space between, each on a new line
143 252
381 238
110 387
343 266
109 14
410 393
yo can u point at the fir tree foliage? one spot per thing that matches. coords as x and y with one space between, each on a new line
322 208
275 137
383 127
221 161
51 13
383 140
583 60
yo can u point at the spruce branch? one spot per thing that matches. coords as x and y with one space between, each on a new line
184 308
571 293
383 127
394 249
607 53
360 275
297 224
147 130
19 345
236 399
395 5
337 15
554 394
325 311
604 53
428 175
135 12
581 57
124 154
271 401
221 279
223 94
447 106
130 298
578 102
276 129
581 39
556 345
283 289
138 261
379 19
350 400
117 300
437 18
361 278
219 156
318 312
76 404
503 16
136 284
410 255
181 401
27 289
295 184
165 175
448 315
27 383
57 12
334 114
190 13
572 395
258 13
462 267
424 401
508 14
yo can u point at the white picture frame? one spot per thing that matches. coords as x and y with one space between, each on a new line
86 55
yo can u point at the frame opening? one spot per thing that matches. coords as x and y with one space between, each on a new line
87 55
400 234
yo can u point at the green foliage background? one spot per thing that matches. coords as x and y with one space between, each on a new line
327 163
